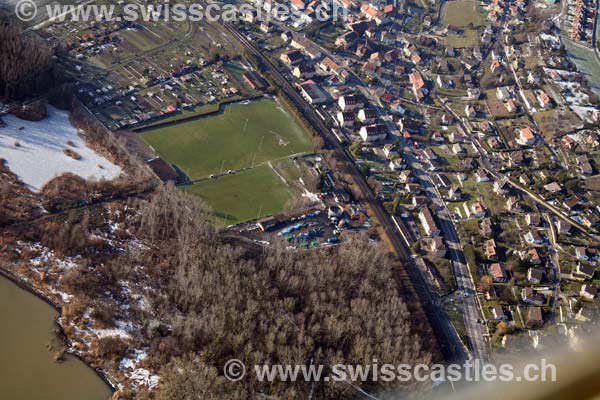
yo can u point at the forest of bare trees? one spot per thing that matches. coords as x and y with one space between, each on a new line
269 306
26 66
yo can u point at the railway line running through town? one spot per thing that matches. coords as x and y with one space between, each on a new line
450 344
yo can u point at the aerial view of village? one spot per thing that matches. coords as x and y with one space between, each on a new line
307 182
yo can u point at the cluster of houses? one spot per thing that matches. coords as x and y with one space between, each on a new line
581 15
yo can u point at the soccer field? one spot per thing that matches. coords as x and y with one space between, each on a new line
243 135
243 196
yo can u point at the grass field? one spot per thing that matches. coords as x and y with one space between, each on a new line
556 122
464 12
469 38
243 135
243 196
259 134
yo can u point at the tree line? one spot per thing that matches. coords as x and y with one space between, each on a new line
26 66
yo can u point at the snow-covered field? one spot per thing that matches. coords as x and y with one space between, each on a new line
39 155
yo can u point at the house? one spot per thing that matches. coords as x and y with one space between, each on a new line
581 253
255 81
513 204
570 203
583 272
534 317
351 102
304 44
418 85
481 176
419 201
498 273
476 210
437 137
533 256
473 93
490 250
373 133
511 106
533 237
429 154
526 137
495 66
367 115
267 223
588 292
458 149
347 39
293 57
286 35
497 313
470 111
486 227
585 314
429 224
345 118
405 176
543 99
535 275
524 179
563 227
396 165
501 187
533 219
304 71
454 194
389 150
412 188
504 93
436 246
313 93
531 296
396 107
328 65
457 136
553 187
441 180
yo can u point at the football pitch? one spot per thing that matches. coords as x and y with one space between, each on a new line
243 196
244 138
244 135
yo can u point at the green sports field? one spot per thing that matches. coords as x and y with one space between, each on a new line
243 135
243 196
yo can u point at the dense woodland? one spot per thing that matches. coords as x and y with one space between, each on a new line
26 66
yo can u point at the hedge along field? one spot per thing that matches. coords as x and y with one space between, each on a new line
244 135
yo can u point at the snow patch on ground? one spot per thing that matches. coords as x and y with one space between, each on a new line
39 156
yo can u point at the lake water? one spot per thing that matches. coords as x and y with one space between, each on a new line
27 367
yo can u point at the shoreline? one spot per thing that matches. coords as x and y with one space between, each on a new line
60 334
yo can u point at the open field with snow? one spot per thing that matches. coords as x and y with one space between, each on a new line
35 151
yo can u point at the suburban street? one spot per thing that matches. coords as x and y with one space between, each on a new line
464 281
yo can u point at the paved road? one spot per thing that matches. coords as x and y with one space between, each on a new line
464 282
485 160
450 344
